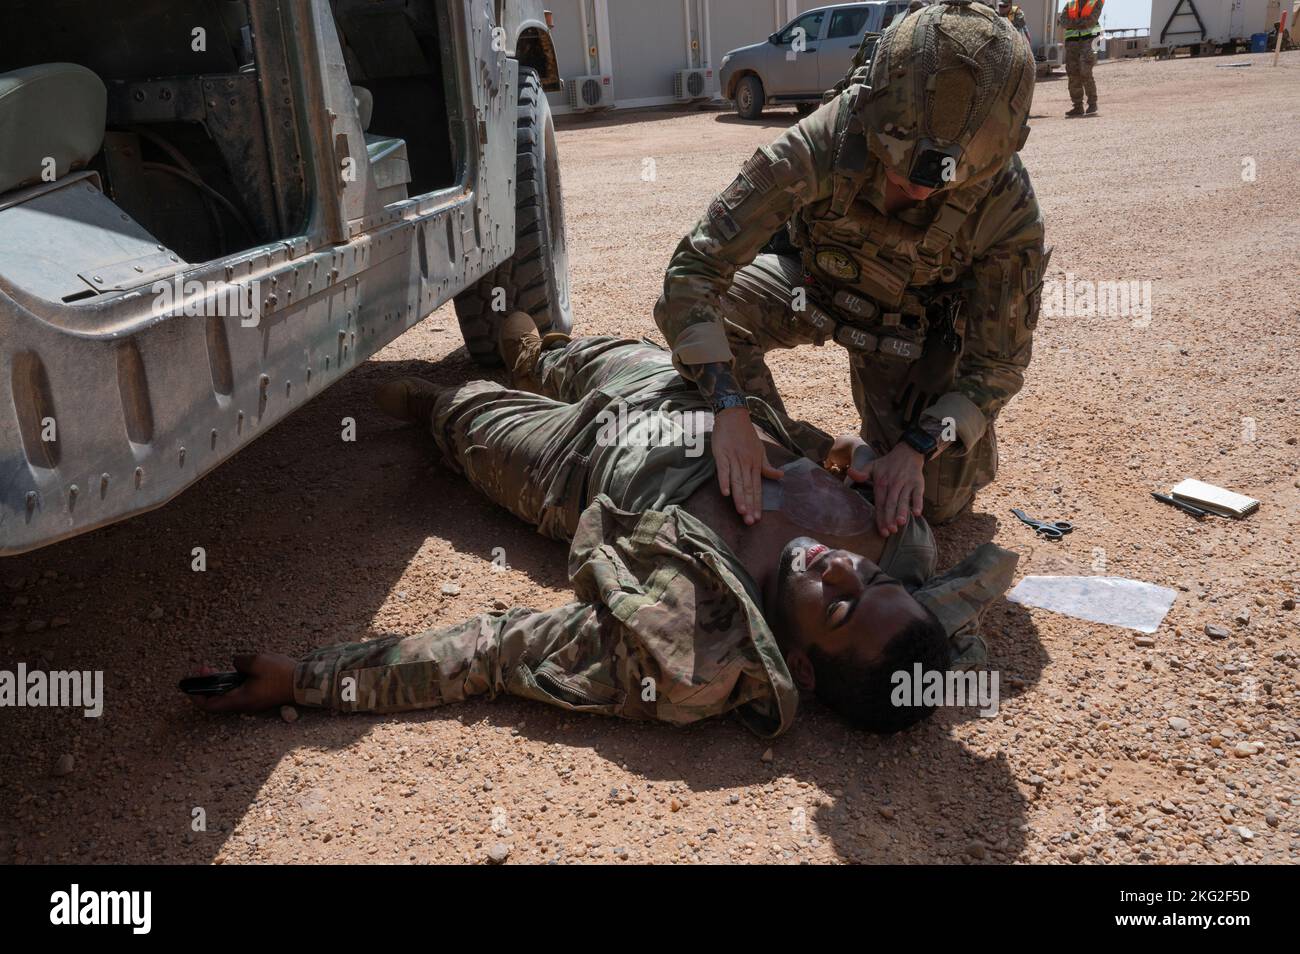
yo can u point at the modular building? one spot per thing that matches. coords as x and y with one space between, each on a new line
630 54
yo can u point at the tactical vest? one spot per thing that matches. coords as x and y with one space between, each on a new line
878 284
1077 10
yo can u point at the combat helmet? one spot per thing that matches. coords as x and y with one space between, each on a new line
950 91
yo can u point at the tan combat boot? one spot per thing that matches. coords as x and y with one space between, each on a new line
408 399
520 346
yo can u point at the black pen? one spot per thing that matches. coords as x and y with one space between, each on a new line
1196 512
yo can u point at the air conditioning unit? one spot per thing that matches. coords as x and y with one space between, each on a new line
692 84
590 92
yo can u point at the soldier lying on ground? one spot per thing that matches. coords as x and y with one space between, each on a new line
683 611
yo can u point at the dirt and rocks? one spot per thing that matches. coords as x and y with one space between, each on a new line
1107 747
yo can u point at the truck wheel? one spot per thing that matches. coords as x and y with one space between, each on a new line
535 279
749 98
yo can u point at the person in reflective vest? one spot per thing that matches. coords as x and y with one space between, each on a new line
1081 20
1017 17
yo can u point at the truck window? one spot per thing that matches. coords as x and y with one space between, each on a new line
895 11
810 23
850 22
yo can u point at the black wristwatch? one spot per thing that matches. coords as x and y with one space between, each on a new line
921 442
727 401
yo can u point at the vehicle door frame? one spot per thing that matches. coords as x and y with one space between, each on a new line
789 90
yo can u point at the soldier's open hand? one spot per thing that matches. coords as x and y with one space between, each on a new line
741 461
898 484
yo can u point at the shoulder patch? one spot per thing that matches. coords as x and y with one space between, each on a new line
736 193
758 170
722 221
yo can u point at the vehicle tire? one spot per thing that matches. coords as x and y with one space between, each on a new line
535 279
749 97
803 109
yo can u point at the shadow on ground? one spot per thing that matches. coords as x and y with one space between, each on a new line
303 547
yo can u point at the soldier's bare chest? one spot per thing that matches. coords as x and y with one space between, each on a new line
807 502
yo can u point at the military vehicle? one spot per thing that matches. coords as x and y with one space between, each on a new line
211 210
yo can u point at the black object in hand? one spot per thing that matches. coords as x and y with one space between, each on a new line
213 685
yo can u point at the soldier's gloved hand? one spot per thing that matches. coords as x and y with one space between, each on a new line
898 481
741 461
269 684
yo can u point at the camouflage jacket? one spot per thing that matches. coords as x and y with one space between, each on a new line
986 238
668 626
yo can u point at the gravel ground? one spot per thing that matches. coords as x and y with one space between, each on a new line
1104 749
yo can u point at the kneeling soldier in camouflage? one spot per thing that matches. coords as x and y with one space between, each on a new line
682 611
909 234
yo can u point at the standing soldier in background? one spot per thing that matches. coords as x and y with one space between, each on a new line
1081 20
1017 18
914 241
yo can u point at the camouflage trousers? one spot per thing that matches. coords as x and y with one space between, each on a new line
760 318
544 456
1080 58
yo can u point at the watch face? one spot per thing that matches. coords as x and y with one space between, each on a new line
921 441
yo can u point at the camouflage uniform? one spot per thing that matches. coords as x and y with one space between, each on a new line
667 624
1081 20
936 304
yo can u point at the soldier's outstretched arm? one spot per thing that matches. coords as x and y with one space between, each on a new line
485 655
1001 312
579 656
